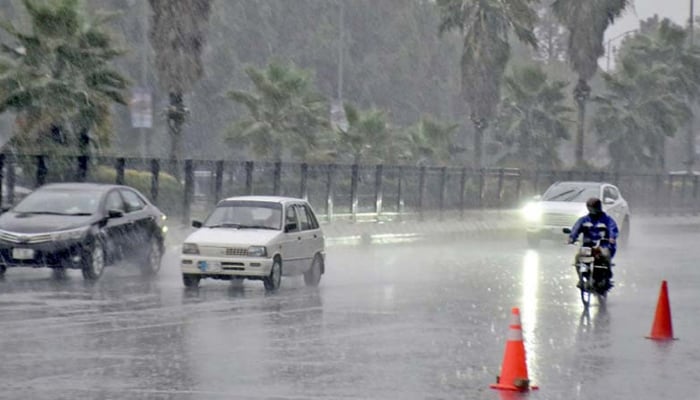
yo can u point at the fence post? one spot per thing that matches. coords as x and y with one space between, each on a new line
695 195
277 178
2 175
219 181
155 180
378 189
501 177
189 192
670 194
657 194
355 174
482 187
683 201
11 179
249 166
443 186
119 166
421 192
462 189
41 170
329 192
303 190
399 194
83 162
518 183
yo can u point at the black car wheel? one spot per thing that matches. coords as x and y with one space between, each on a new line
312 277
272 282
150 264
2 271
190 281
94 262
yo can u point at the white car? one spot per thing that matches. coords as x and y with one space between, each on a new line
565 202
255 237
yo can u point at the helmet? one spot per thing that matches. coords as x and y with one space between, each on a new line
594 205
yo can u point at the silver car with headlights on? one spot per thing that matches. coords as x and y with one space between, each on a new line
563 203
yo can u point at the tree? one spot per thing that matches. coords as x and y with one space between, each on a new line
179 35
429 142
59 79
485 26
534 118
284 113
586 22
551 35
368 137
654 90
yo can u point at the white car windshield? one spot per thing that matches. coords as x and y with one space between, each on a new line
571 192
246 215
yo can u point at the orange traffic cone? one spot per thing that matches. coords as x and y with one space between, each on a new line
514 369
662 328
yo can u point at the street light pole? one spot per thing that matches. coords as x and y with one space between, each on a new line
608 45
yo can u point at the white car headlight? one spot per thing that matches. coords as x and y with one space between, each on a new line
71 234
532 212
190 248
257 251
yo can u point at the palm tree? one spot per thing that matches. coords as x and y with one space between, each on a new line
637 113
59 79
367 138
178 36
284 113
533 118
429 142
485 26
586 22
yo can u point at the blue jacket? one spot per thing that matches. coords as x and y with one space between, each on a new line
594 234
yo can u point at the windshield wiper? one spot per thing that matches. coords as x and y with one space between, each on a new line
575 195
564 193
53 213
256 227
223 226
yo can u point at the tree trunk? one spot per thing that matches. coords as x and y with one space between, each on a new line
177 114
581 94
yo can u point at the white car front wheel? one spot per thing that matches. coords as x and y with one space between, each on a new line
272 281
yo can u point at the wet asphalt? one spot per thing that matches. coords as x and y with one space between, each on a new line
408 321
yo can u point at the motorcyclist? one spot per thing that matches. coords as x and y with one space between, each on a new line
587 225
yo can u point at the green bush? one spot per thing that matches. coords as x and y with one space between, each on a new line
170 191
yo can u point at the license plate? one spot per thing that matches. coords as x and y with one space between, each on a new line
23 254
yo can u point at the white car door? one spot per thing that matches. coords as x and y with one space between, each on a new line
310 236
292 247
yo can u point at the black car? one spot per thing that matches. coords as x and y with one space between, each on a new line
82 226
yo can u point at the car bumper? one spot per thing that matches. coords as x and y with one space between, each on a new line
47 255
248 267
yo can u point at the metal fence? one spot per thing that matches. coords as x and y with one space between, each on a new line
353 192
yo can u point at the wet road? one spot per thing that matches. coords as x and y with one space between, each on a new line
419 321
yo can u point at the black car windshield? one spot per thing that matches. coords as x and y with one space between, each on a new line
571 192
60 202
246 215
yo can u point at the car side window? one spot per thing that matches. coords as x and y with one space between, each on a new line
610 193
291 218
114 202
313 223
304 223
133 201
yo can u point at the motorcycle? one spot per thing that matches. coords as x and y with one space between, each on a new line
594 273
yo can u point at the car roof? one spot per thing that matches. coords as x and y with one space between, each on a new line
82 186
582 183
267 199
